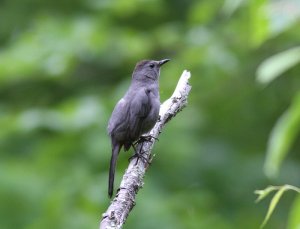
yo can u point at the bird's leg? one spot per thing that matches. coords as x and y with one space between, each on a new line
145 138
139 155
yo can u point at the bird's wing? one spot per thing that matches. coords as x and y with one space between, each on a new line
119 117
140 107
128 115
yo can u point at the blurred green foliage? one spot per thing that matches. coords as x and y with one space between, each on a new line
280 190
63 66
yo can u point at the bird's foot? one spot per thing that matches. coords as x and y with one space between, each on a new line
140 156
145 138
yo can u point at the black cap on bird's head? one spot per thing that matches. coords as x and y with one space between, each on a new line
148 69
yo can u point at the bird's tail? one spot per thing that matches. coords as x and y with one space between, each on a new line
112 168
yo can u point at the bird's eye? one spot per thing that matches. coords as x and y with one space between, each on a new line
151 65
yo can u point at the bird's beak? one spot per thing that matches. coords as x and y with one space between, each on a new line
162 62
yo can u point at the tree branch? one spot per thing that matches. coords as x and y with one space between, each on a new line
132 181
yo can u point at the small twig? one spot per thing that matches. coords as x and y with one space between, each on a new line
132 181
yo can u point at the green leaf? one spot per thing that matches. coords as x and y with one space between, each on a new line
264 193
259 22
294 219
282 138
273 204
274 66
275 199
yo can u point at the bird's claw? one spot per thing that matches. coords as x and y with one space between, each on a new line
140 156
145 138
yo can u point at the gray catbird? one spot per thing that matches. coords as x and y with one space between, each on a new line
136 113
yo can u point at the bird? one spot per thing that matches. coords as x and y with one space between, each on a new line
135 113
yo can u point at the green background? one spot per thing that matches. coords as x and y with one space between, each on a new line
63 66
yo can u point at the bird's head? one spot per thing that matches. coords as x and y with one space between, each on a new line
146 70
